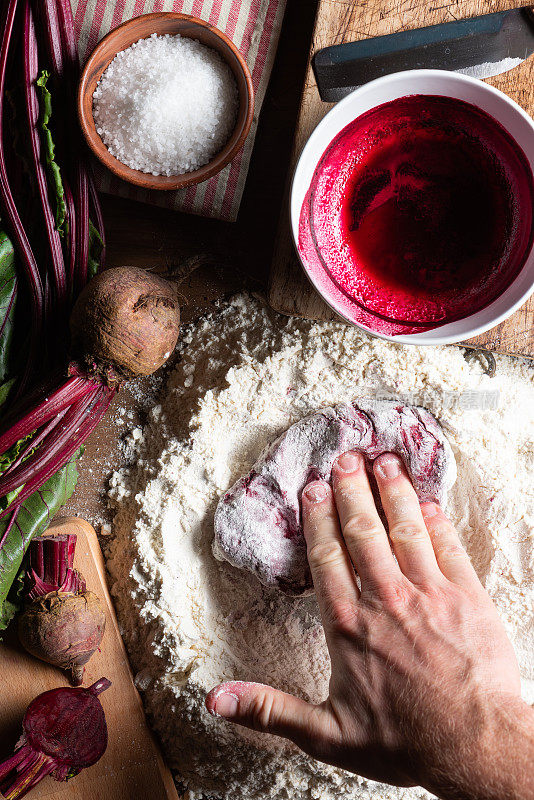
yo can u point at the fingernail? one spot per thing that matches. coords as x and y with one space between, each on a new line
429 509
349 462
388 466
226 705
315 492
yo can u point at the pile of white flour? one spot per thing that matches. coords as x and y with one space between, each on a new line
190 621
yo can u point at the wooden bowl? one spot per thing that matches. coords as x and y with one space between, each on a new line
141 28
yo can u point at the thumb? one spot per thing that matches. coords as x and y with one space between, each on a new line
265 709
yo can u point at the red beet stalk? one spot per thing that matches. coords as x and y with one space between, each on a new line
51 567
124 324
11 214
63 55
64 731
31 73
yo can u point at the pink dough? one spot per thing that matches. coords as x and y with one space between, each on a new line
258 521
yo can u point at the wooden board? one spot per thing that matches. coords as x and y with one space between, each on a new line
340 21
132 767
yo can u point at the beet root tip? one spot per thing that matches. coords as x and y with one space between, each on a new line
76 674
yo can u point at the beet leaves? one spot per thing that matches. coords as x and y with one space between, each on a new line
48 249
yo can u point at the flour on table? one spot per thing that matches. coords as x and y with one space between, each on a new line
190 621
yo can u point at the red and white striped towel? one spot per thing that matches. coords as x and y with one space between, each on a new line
254 26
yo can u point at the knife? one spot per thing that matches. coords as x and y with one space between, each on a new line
479 46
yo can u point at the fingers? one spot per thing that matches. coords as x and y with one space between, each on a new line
407 531
332 571
452 558
265 709
363 531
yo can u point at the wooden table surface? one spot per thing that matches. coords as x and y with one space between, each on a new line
216 258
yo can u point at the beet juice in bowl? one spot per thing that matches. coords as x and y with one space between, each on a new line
412 207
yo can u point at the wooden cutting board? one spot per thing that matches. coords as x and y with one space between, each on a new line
132 767
340 21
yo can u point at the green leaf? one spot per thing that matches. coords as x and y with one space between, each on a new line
13 602
52 169
8 299
11 455
6 459
33 518
95 250
5 389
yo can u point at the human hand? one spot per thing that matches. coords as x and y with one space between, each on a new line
424 682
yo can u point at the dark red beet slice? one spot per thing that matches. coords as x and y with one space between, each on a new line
257 522
64 731
68 725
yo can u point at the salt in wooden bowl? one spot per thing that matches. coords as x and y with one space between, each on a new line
141 28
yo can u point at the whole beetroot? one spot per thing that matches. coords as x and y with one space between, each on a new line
126 319
62 623
124 324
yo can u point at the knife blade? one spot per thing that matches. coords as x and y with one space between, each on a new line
477 46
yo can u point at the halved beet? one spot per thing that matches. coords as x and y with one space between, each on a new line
64 731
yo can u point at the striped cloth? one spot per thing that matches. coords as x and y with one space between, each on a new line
254 26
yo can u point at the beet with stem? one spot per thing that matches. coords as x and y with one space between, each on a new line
124 324
64 731
62 623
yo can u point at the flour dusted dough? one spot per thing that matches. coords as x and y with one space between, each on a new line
190 621
258 522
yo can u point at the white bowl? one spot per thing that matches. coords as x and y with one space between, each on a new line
391 87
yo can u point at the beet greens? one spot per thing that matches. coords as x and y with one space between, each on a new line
124 322
49 248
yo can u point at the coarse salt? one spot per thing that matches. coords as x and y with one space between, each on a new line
166 105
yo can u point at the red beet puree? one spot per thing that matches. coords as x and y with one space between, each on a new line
420 212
